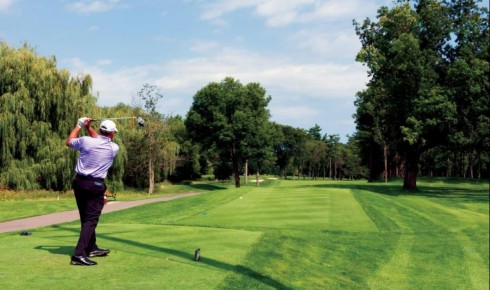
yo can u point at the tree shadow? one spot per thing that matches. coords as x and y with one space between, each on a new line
441 192
204 261
209 187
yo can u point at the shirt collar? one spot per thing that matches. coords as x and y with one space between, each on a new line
104 137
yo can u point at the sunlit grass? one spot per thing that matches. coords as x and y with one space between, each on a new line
284 234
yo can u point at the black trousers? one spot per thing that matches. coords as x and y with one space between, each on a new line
89 194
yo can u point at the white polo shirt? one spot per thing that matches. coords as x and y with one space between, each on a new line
96 155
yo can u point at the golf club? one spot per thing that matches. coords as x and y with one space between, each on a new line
140 120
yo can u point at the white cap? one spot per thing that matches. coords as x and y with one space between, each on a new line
108 126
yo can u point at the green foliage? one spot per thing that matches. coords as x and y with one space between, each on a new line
154 156
187 165
232 119
39 104
416 99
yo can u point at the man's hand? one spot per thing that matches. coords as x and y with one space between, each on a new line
83 122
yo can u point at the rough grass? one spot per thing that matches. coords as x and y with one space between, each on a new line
285 234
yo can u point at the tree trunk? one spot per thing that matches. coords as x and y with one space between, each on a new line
448 172
246 172
385 154
330 167
411 169
234 162
372 176
151 177
479 166
257 183
470 164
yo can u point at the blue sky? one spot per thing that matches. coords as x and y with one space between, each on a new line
301 51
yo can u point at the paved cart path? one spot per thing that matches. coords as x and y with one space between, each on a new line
68 216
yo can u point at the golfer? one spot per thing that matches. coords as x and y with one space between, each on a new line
97 152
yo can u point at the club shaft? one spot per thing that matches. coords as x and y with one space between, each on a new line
118 118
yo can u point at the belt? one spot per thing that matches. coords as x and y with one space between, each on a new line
88 177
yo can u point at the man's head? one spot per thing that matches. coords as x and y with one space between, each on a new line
108 128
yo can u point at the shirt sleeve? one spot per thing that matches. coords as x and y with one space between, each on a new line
116 149
76 143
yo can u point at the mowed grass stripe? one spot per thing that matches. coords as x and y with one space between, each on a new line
429 231
454 221
289 207
394 273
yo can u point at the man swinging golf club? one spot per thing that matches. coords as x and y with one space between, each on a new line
97 152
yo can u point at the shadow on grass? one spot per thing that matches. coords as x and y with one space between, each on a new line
57 250
209 187
444 192
239 269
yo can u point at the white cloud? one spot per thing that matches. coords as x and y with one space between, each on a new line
287 12
97 6
180 79
103 62
204 46
219 8
112 87
6 4
295 112
337 44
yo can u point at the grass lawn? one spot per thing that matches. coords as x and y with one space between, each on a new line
17 204
285 234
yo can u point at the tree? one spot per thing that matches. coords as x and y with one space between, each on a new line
187 165
373 120
233 119
317 151
315 132
152 147
353 167
289 148
468 82
333 143
39 105
405 55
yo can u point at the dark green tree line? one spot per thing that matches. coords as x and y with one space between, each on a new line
412 103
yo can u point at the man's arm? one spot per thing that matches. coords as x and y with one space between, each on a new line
82 122
73 134
91 131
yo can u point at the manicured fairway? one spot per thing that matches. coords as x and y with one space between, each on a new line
290 207
285 234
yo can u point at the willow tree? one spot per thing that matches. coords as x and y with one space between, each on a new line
39 105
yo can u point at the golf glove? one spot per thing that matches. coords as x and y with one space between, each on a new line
81 122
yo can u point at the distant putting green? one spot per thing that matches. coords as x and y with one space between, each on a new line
285 234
